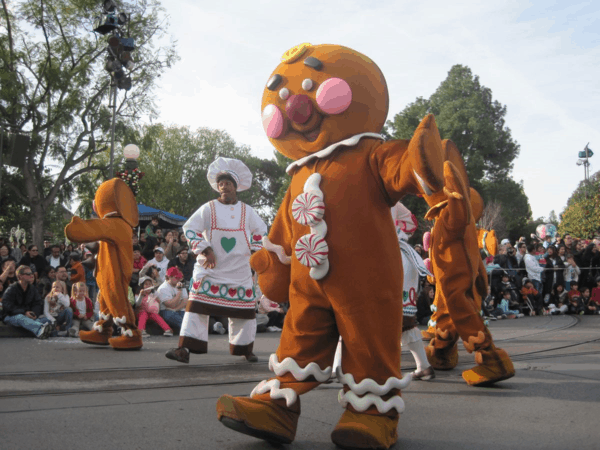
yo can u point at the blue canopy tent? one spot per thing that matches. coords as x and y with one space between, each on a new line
165 219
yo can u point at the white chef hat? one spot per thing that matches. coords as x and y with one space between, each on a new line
232 167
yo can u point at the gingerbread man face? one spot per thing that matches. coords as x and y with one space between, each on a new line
320 95
115 198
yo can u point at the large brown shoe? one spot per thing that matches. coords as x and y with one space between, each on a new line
261 419
180 354
442 358
95 337
125 342
494 365
365 431
251 357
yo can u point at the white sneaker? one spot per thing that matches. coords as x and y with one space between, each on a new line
73 332
520 315
219 328
271 329
168 333
145 333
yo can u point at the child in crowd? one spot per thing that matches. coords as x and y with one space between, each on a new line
56 308
149 306
152 226
574 296
559 300
532 299
503 311
589 306
506 285
138 264
574 291
83 309
273 311
596 292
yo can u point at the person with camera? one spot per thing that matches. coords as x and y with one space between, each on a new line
173 297
160 262
149 306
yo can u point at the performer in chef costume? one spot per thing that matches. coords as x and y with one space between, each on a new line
222 234
413 268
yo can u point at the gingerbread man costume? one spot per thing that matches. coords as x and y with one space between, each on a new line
116 206
461 280
332 251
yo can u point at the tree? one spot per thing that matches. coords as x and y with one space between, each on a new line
466 114
581 217
54 88
175 161
492 219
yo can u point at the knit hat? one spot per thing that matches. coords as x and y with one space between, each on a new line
174 272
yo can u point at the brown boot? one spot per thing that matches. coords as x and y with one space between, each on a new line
365 431
442 357
493 365
268 420
98 337
127 342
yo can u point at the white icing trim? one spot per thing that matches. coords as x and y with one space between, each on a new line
433 307
112 213
120 320
320 228
278 250
431 323
97 327
104 316
312 184
316 273
369 385
288 365
363 403
327 151
272 386
127 332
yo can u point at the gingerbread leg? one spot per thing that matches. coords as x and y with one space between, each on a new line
102 329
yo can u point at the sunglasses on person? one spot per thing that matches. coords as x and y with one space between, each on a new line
27 273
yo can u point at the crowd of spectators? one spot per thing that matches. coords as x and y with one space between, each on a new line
55 293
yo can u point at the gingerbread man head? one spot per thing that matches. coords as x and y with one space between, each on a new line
320 95
115 199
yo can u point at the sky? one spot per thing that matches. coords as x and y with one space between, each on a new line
541 59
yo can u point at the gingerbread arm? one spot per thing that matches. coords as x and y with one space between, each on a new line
84 231
272 263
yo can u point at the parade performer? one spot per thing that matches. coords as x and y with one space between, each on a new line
222 233
332 251
461 281
117 211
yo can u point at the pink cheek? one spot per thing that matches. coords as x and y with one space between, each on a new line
334 96
273 121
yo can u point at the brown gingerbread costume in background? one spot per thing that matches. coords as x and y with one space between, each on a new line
116 206
461 279
332 250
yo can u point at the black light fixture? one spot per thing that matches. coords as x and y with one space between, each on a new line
109 6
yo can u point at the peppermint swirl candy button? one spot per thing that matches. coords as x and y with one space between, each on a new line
311 250
308 209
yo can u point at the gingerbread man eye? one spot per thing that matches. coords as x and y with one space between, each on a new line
307 84
284 93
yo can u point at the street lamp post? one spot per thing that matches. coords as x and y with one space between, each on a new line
584 161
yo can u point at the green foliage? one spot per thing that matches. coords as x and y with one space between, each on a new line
515 211
53 86
581 217
175 161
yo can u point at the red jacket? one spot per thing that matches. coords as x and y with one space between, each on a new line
88 306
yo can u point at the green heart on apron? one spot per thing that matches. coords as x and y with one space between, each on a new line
227 243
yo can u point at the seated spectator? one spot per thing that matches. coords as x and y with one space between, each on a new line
559 300
152 272
173 298
273 311
171 245
77 271
424 302
5 253
589 306
47 249
574 296
138 264
63 275
67 252
22 305
531 298
503 310
7 273
152 227
55 258
57 309
184 263
83 309
45 282
148 305
35 261
160 262
506 285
